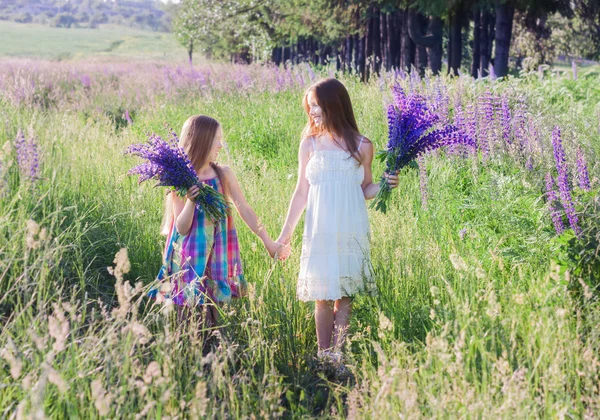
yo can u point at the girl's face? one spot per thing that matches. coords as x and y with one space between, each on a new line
217 145
314 110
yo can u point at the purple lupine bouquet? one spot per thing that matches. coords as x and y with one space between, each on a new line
168 164
412 133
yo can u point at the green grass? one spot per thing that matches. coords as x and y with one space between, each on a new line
105 43
476 326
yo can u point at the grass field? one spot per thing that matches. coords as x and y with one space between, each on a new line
482 312
102 44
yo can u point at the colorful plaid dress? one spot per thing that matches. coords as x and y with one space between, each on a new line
203 266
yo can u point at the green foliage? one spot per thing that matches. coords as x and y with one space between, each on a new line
472 318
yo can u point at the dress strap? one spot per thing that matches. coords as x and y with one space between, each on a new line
361 141
314 144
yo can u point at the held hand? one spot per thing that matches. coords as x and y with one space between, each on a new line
284 251
282 240
392 179
192 193
273 247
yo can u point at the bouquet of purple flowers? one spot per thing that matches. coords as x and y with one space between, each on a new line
171 167
412 132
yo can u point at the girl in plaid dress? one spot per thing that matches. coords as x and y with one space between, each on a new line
201 260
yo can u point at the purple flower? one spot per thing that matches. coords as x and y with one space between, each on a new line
582 171
27 156
552 199
168 164
462 233
563 181
412 131
486 116
519 123
127 117
505 118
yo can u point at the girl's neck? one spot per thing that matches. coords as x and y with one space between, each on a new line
206 171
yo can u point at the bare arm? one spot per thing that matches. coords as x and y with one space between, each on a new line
183 210
246 212
298 202
369 188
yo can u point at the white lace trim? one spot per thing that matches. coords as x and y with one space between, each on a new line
309 288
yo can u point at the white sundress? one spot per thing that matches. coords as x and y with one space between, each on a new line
335 259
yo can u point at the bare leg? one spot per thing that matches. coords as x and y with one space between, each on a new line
342 311
324 320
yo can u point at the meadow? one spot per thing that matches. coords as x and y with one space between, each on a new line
105 43
483 311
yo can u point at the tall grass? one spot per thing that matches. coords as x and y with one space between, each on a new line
473 317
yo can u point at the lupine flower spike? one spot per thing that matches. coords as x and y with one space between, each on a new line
168 164
563 181
412 133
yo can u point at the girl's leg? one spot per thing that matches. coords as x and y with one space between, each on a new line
342 311
324 320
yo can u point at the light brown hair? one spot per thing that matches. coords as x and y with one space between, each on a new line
338 116
197 138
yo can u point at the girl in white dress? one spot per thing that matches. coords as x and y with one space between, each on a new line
334 180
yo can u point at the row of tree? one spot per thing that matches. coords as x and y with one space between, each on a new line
367 36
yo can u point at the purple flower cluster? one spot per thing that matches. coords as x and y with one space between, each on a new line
582 171
412 132
505 119
552 199
563 180
27 156
168 164
486 124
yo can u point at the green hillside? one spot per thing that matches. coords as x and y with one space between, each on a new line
108 41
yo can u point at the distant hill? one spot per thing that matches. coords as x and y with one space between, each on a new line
142 14
105 43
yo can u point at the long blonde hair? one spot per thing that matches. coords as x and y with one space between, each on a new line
334 100
197 137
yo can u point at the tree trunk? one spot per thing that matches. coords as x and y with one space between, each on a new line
429 47
408 46
376 38
388 41
397 49
484 52
368 46
384 40
360 56
475 69
504 23
191 50
455 43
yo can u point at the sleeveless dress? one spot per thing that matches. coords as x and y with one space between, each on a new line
203 266
335 260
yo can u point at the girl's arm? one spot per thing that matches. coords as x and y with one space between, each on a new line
371 189
246 212
183 210
298 202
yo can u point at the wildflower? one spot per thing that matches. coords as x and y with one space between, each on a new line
505 119
552 198
582 171
563 181
58 328
411 133
171 167
152 371
462 233
9 353
55 378
27 156
458 263
102 399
